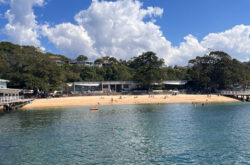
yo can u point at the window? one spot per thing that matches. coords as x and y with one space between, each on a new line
1 84
126 86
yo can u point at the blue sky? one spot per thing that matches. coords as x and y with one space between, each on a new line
217 24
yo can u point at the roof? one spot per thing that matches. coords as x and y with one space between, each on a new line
172 82
10 91
97 83
2 80
85 84
175 82
55 57
118 82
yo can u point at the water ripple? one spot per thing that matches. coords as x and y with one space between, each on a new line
128 134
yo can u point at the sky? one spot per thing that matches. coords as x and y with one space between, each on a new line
176 30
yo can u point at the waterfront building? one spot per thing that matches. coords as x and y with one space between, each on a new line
4 91
7 93
3 84
174 84
99 87
9 98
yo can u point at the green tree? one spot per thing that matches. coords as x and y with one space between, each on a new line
27 67
107 60
82 58
170 73
148 69
217 70
90 74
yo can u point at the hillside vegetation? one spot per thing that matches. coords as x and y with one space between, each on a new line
28 68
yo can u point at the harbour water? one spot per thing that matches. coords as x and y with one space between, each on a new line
128 134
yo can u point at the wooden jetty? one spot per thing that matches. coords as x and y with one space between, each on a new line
9 98
13 102
243 95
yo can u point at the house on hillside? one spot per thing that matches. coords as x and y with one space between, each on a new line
180 67
57 59
88 63
84 63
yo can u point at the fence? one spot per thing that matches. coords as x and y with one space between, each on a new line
9 99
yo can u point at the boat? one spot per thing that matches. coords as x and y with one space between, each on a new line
94 108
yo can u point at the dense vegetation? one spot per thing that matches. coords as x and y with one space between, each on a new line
27 67
217 71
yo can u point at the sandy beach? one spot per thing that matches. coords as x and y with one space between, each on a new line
125 99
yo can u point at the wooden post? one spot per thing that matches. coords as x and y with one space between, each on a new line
74 87
102 86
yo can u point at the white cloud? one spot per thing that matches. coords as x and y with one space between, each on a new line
186 51
71 39
235 41
22 27
118 28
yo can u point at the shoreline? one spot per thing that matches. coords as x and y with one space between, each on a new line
125 99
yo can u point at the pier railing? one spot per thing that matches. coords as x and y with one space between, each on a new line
9 99
235 93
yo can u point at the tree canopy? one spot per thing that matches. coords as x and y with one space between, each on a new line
27 67
82 58
148 69
217 70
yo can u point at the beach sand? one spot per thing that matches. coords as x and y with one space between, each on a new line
125 99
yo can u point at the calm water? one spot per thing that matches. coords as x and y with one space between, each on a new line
142 134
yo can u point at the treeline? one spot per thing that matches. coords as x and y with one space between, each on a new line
27 67
216 71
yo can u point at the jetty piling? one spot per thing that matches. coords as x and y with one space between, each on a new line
9 98
243 95
13 102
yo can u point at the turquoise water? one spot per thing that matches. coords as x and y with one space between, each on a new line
128 134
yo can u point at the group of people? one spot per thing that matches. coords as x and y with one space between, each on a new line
195 104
